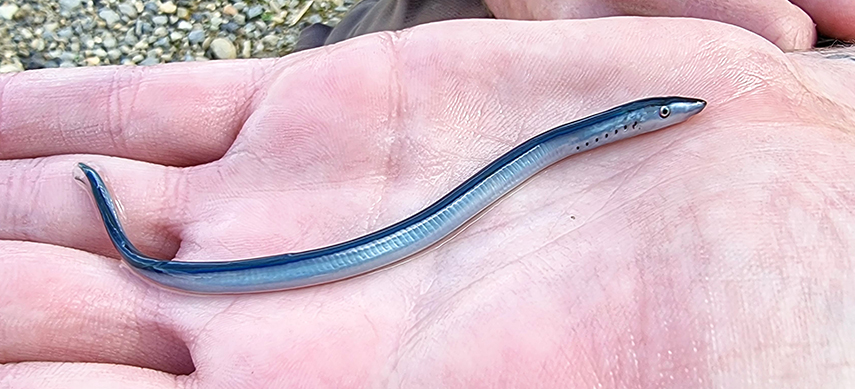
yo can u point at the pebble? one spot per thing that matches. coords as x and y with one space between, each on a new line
69 5
230 10
11 68
223 49
151 7
185 25
254 11
109 41
8 11
196 36
168 7
160 20
246 50
230 27
37 44
128 10
109 16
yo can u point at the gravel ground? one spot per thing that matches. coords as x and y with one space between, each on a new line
38 34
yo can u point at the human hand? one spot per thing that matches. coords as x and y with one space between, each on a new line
791 25
715 253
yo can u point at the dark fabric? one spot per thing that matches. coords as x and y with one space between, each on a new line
387 15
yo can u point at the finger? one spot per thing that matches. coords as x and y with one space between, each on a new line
43 203
179 114
46 375
62 305
834 18
779 21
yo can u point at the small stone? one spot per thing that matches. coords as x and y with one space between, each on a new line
37 44
222 48
109 16
100 53
151 6
182 13
216 21
64 33
142 28
93 61
160 32
270 40
230 10
25 10
114 54
185 25
149 62
314 18
68 65
137 58
160 20
175 36
109 42
196 36
239 19
8 11
168 7
67 57
162 42
240 6
128 9
34 62
15 67
246 51
254 11
69 5
131 39
230 27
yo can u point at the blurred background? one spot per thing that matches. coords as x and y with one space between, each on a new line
37 34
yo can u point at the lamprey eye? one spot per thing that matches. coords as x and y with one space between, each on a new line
664 111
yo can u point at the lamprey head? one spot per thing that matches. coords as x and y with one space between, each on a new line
657 113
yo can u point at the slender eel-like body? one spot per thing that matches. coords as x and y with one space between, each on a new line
405 238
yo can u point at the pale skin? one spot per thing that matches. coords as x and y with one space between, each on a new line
717 253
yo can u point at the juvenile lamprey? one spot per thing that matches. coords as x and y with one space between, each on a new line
405 238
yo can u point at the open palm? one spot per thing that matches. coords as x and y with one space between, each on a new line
718 251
